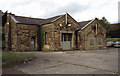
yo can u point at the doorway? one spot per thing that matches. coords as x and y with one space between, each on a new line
66 41
33 43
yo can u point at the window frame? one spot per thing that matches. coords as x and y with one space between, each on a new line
101 41
93 42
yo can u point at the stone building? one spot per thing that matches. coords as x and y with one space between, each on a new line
60 33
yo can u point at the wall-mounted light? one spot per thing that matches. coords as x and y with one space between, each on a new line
7 23
69 24
60 24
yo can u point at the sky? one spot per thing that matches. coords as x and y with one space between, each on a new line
80 10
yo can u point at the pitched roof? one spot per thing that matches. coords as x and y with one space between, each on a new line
34 21
83 24
27 20
52 19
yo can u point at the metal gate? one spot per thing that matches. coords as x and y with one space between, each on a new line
66 41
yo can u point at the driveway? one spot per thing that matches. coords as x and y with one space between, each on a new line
73 62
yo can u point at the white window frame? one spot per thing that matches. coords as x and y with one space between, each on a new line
101 41
93 42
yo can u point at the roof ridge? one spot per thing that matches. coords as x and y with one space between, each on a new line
55 16
85 21
27 17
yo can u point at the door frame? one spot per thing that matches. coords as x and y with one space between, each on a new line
72 42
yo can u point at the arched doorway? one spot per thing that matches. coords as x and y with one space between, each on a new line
33 43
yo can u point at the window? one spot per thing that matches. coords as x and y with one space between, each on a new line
99 41
69 37
79 38
94 28
46 37
66 36
91 41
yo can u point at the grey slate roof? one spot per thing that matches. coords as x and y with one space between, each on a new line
34 21
82 24
52 19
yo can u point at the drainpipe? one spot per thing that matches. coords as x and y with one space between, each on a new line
76 32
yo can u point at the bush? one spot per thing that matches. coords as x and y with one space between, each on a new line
11 59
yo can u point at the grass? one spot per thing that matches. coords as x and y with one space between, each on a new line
112 39
11 59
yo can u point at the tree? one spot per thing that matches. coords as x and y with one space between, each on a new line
104 23
4 19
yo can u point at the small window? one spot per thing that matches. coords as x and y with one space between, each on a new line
79 38
91 42
99 41
46 37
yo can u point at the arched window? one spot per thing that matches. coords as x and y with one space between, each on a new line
46 37
33 43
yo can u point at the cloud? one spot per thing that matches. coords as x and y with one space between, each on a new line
72 8
78 9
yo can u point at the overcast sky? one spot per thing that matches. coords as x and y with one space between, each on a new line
81 10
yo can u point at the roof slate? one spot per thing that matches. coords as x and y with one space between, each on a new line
34 21
82 24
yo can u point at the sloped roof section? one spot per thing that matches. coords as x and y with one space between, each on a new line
34 21
52 19
27 20
84 24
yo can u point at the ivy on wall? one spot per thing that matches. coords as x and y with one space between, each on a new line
40 37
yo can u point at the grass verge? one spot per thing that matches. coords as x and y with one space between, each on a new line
112 39
11 59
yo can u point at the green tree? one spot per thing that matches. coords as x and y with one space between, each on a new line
104 23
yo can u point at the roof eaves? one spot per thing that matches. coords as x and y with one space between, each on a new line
78 28
56 18
14 19
88 24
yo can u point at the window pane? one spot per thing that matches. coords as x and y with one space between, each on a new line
65 37
99 41
69 37
91 42
79 38
62 37
46 37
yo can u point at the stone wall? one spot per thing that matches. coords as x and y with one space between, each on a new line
54 31
49 45
60 27
89 33
18 36
24 36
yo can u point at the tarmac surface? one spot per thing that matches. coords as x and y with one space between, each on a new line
71 62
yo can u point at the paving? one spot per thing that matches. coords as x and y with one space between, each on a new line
73 62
